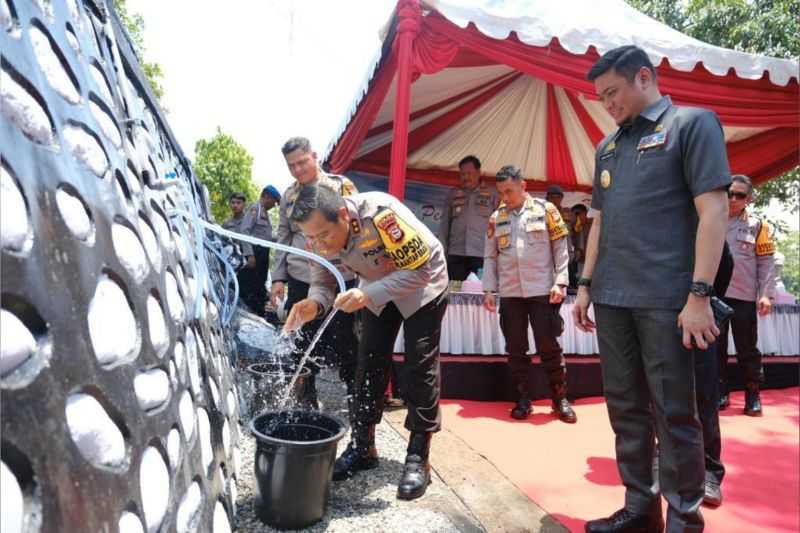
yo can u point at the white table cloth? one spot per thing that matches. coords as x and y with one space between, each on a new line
469 329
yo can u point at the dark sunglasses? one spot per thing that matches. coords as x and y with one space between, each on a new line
737 195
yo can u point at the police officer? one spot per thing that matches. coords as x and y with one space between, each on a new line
404 281
257 224
246 275
338 344
526 260
653 251
468 209
750 292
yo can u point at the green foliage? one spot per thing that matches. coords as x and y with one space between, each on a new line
766 27
789 246
225 167
134 24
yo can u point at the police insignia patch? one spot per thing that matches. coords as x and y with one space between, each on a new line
405 247
503 242
388 225
605 179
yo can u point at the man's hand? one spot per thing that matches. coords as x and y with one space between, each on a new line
351 301
580 310
764 306
251 261
276 294
557 294
697 322
490 301
302 312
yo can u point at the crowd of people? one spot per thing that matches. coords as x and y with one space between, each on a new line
667 250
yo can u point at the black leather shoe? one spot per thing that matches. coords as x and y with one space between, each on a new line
417 469
724 401
354 460
712 495
564 411
522 410
752 400
624 521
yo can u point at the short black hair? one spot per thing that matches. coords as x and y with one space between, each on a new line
625 60
509 172
296 143
470 159
313 198
237 196
579 208
741 178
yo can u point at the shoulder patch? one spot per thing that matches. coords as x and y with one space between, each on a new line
764 243
556 227
348 187
403 244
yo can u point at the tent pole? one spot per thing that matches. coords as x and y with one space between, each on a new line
408 14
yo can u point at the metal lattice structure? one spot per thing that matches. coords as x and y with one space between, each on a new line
119 411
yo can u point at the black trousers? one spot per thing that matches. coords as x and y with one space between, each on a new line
649 384
459 266
707 391
421 331
253 281
547 325
338 345
744 324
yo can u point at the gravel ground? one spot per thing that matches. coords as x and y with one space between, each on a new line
367 502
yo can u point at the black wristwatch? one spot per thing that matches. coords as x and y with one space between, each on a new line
701 289
584 282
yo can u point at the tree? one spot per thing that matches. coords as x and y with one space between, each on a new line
134 24
766 27
790 248
225 167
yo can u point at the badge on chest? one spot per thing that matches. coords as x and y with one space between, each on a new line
652 141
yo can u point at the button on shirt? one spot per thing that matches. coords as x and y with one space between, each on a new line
469 212
647 175
526 250
289 233
395 256
750 242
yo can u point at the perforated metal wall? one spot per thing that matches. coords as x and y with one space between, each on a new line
118 407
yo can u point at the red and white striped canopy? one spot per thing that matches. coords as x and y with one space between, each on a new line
505 81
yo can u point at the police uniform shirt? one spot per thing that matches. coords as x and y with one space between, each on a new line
469 212
526 250
750 241
289 232
236 224
397 258
257 223
647 175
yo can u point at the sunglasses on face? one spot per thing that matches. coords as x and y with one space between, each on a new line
737 195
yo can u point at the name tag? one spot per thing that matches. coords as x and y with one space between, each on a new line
652 141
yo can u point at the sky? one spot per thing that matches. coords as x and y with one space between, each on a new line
267 70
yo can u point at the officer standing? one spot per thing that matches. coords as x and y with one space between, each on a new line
653 251
257 224
526 261
468 208
404 281
245 275
339 343
750 293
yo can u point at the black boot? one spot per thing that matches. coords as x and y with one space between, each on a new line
561 405
522 410
724 396
752 400
417 470
624 521
359 455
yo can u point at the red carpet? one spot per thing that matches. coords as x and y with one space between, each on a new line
569 470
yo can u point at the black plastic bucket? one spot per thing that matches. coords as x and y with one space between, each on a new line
295 452
269 382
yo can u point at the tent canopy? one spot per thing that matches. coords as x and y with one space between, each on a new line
506 81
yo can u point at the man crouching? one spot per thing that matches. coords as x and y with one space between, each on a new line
403 281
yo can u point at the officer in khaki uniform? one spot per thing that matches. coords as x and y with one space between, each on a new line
256 223
750 292
339 343
526 261
246 276
468 210
404 281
